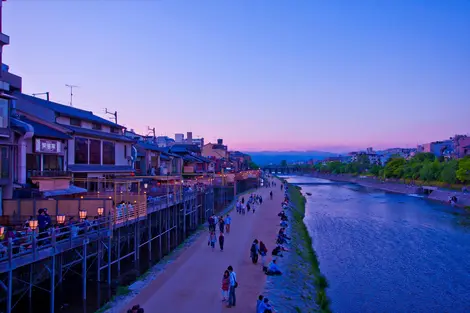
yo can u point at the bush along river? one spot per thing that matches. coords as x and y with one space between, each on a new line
301 288
384 252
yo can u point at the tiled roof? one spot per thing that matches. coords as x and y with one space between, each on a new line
149 146
99 168
98 134
184 148
66 110
41 130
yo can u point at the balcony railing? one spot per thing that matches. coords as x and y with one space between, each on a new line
49 174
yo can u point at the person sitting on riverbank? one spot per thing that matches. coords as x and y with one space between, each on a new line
265 307
259 302
284 224
283 216
273 269
278 251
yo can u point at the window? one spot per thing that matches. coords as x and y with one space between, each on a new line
33 163
4 162
81 150
109 153
115 130
4 116
75 122
95 151
125 151
52 162
96 126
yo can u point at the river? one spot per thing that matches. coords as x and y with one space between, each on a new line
384 252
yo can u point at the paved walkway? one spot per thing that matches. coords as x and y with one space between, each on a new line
193 282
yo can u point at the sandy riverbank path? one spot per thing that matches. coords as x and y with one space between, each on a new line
192 283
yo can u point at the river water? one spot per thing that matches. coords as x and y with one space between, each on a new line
385 252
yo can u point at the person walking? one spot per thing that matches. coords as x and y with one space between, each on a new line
212 240
221 224
263 251
232 298
228 221
221 241
225 285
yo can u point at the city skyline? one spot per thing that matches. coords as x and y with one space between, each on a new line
333 76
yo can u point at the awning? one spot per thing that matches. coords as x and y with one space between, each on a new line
72 190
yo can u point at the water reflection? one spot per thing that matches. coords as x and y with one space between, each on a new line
389 253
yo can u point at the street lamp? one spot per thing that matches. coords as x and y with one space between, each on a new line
82 214
2 230
61 219
100 211
146 185
33 224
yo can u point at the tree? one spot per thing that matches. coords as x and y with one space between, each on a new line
253 166
375 170
448 172
463 171
284 163
423 157
395 168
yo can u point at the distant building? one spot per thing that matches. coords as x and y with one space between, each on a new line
461 145
164 141
439 148
217 151
179 138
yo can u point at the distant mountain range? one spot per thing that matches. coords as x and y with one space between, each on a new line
275 157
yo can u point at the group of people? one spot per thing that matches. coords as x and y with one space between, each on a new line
250 205
224 226
282 238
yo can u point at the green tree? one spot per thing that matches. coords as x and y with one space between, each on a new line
423 157
284 163
375 170
448 172
463 171
395 168
252 165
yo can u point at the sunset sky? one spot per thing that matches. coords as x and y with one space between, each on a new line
262 75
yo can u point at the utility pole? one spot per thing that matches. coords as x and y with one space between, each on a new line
42 93
151 130
113 114
71 92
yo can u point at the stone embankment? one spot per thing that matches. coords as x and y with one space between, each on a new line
441 195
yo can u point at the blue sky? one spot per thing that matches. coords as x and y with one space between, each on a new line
263 75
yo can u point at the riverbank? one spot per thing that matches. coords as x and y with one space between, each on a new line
440 195
302 287
304 248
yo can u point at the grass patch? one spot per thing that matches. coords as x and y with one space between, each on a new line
308 254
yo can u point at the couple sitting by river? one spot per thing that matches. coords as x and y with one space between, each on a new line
136 309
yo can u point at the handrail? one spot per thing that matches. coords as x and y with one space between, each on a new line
32 242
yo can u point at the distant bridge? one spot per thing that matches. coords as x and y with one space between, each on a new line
279 169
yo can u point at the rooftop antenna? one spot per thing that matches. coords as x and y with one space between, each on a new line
111 113
71 92
42 93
